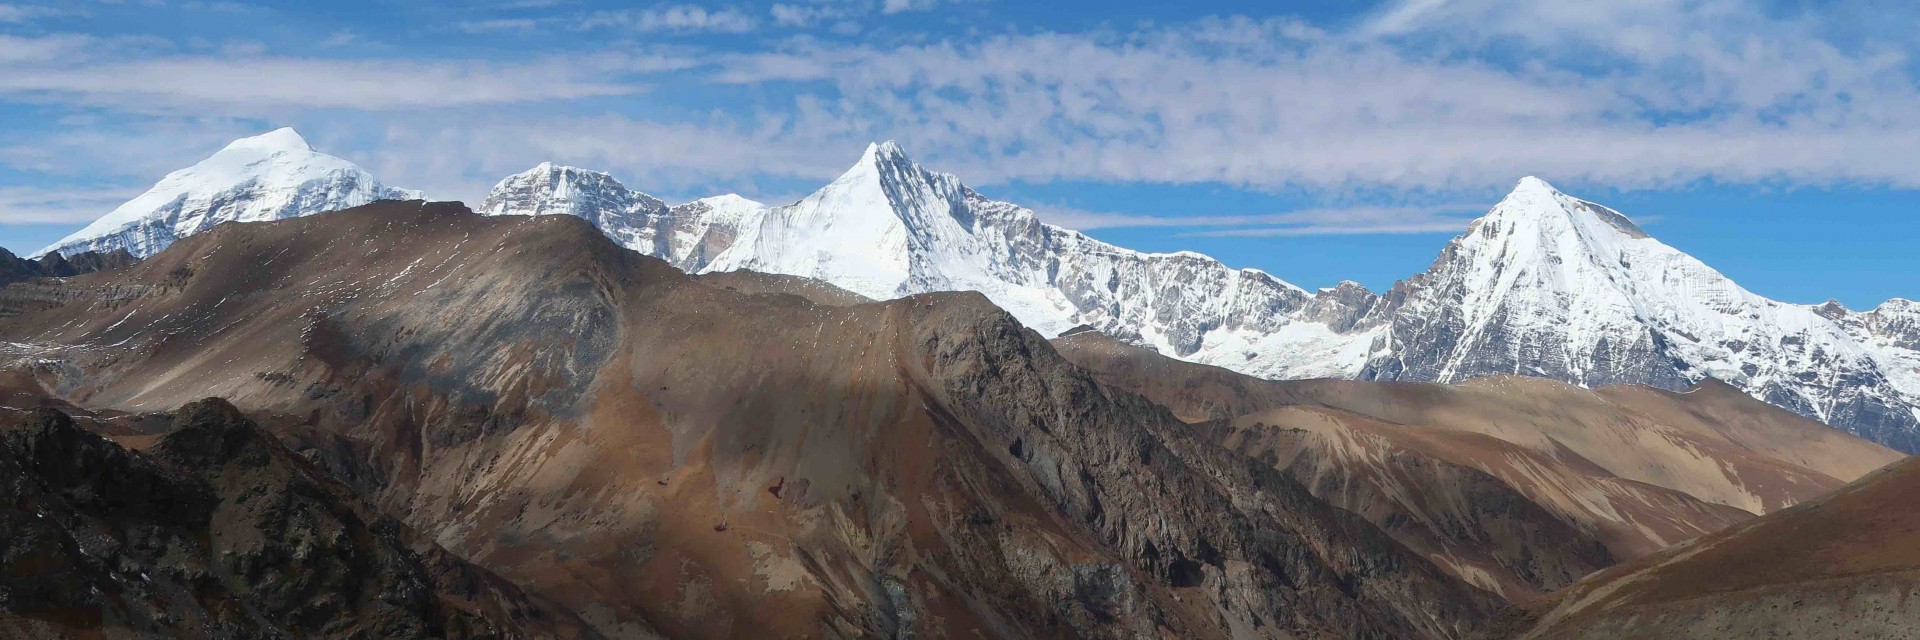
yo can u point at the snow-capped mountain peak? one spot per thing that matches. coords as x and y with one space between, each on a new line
1533 200
270 176
550 189
859 231
1544 284
277 140
1554 286
629 217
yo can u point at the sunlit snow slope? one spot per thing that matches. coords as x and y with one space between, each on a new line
1545 284
270 176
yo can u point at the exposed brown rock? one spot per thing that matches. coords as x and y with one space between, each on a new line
1465 473
222 533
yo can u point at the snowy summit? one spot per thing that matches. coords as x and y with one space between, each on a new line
270 176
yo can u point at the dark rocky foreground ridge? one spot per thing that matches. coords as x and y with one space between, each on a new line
661 455
218 531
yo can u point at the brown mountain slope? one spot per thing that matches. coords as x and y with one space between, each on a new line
715 462
1633 469
756 282
1846 565
222 533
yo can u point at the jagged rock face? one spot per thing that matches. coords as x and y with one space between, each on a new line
1341 306
1477 525
271 176
688 236
1553 286
631 218
1891 332
1520 485
1526 291
715 460
219 532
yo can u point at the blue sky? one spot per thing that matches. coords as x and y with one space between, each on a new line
1320 140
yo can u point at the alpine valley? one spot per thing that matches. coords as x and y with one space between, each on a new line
273 397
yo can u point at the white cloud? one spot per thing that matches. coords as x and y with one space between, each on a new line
92 148
795 15
65 205
69 69
1424 101
17 13
18 50
341 38
497 25
673 18
902 6
1448 218
1282 104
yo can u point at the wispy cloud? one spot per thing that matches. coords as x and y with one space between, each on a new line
18 13
1441 100
16 50
64 205
903 6
68 69
1435 226
1425 104
673 18
497 25
341 38
844 14
1443 218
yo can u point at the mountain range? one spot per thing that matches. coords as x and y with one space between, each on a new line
1545 284
511 426
678 456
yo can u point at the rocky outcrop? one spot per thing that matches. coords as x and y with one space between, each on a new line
219 532
1518 485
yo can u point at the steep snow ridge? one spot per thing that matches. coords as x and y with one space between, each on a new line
888 227
847 233
271 176
627 216
1557 287
1891 332
687 235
